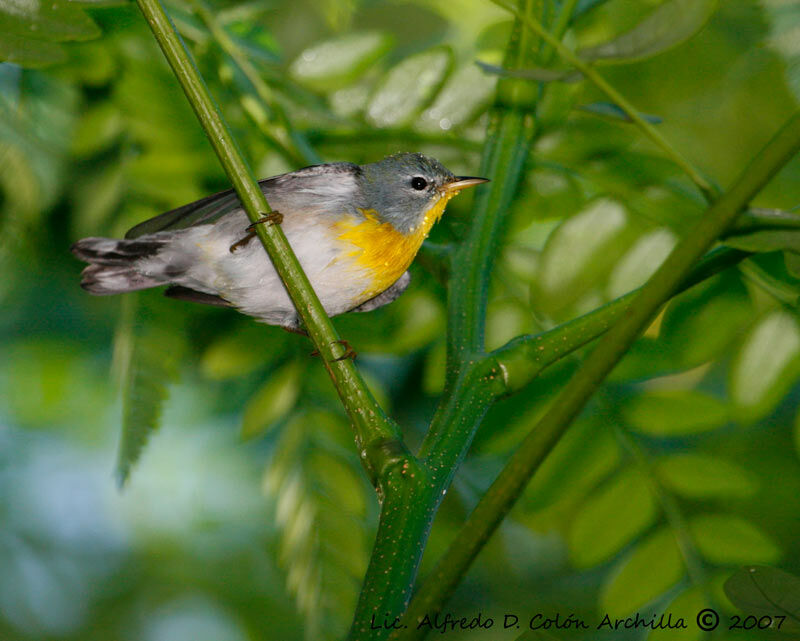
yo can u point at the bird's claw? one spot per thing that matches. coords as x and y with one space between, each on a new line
242 242
272 218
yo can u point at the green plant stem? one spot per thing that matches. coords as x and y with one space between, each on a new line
587 70
511 481
523 358
509 138
508 144
285 139
559 29
377 437
511 131
692 560
407 512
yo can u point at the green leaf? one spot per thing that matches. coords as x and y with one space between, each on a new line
767 240
675 412
577 253
342 484
55 20
96 195
614 112
585 6
792 261
29 30
768 273
30 53
152 366
272 401
702 323
319 504
765 230
652 568
685 606
36 116
241 352
640 262
610 519
535 74
572 469
420 320
797 433
726 539
669 25
408 86
784 25
761 590
766 365
337 62
464 96
97 129
700 476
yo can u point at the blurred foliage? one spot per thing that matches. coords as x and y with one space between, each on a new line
684 468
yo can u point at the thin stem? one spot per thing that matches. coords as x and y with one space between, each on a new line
559 29
284 139
672 512
512 480
587 70
373 430
523 358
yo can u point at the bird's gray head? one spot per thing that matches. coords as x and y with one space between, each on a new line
403 188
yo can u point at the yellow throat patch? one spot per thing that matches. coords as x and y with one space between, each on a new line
382 250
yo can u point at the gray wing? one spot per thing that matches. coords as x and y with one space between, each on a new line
184 293
386 296
301 184
205 210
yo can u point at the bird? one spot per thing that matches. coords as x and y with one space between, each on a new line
354 228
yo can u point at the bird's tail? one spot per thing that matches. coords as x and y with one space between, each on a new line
112 264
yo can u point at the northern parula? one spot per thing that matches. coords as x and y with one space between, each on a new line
355 230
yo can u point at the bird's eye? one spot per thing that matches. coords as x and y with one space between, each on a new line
419 183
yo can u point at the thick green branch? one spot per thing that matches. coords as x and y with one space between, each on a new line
508 144
508 141
587 70
372 428
509 485
509 137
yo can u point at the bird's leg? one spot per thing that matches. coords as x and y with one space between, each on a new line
349 352
273 218
242 242
295 330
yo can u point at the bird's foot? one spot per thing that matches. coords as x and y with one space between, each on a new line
349 352
242 242
272 218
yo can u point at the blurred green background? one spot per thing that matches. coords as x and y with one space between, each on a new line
248 516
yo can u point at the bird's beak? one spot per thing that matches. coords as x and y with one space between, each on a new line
462 182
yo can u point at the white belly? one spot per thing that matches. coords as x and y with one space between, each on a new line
247 279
